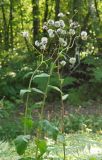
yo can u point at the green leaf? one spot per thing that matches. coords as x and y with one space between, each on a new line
55 88
24 91
29 122
21 143
98 74
68 81
36 105
64 97
27 75
41 144
37 90
42 75
49 128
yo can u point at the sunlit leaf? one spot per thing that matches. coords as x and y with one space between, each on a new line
24 91
42 75
64 97
37 90
21 143
54 88
41 144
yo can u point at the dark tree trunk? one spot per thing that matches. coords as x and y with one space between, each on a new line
46 11
5 28
77 10
11 24
57 8
21 15
95 21
36 21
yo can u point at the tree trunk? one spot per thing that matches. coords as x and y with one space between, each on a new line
95 21
21 15
77 10
57 8
11 24
46 11
36 21
5 28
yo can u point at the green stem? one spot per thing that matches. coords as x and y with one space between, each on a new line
27 100
46 90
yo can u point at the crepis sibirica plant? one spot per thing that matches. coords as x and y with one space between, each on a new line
63 34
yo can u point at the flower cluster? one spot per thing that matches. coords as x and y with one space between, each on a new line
42 44
55 27
59 29
25 34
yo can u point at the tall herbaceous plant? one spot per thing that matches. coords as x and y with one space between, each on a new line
53 56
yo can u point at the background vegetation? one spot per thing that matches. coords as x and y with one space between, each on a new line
21 24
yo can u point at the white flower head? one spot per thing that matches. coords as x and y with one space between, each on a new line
37 43
44 40
63 63
51 33
72 32
61 31
84 35
62 24
57 24
72 60
25 34
74 24
61 14
45 27
43 46
62 42
64 32
51 22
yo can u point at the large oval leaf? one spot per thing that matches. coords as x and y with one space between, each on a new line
21 143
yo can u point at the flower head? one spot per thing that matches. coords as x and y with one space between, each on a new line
37 43
61 31
45 27
84 35
51 22
63 63
61 14
44 40
51 33
43 46
25 34
57 24
62 24
72 32
72 60
62 42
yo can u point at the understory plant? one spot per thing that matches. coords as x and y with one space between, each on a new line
53 56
